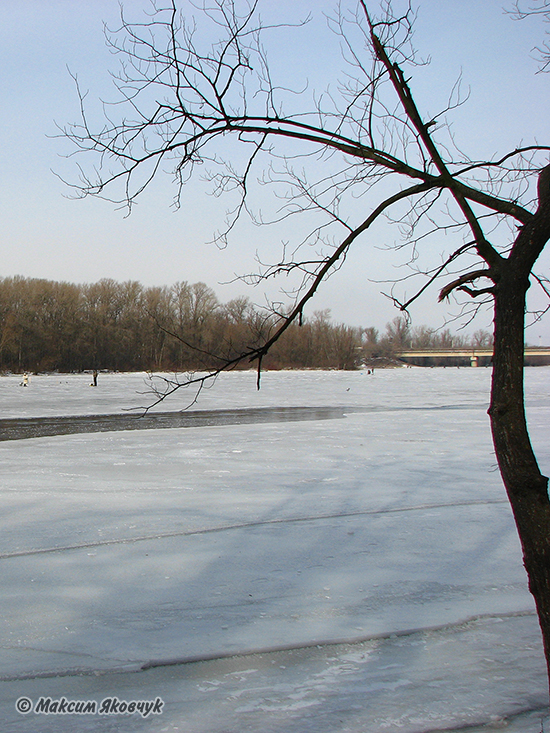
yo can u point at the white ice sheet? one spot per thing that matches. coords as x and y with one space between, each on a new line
125 548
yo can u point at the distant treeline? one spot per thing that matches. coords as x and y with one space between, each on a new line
59 326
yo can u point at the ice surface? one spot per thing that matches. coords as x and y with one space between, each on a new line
359 574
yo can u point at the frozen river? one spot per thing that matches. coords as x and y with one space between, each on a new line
334 552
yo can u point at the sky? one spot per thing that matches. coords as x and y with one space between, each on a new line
46 233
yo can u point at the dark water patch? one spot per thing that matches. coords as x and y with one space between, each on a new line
40 427
18 428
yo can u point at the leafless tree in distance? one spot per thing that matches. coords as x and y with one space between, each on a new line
347 158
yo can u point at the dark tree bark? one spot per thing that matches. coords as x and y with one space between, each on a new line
526 487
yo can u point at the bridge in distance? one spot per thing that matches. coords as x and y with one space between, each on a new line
463 357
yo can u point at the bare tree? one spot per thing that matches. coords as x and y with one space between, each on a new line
524 9
183 98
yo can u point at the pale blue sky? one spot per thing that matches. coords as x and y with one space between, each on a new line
44 234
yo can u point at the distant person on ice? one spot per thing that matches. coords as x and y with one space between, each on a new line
94 377
25 381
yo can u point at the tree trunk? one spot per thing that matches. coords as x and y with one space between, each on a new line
526 487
